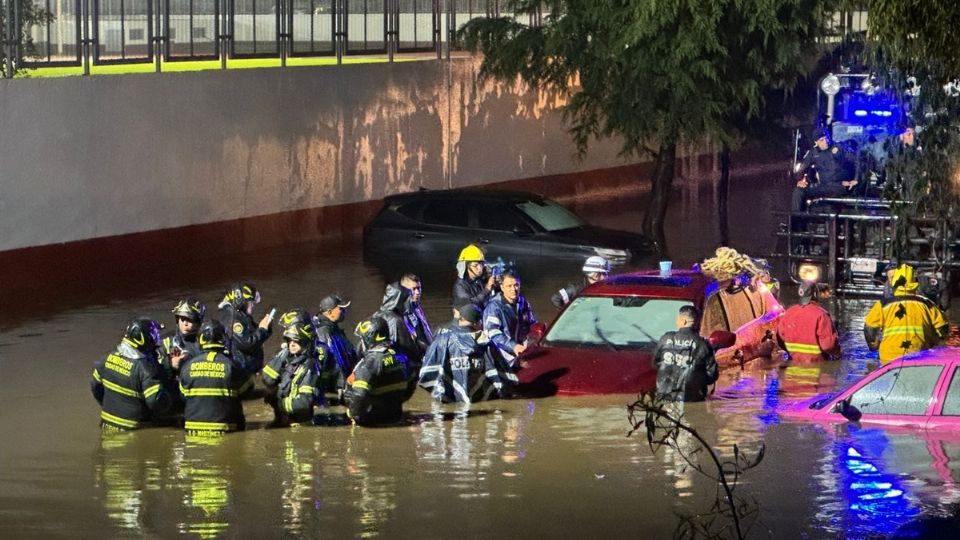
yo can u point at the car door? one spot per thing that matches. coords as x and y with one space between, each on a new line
445 228
502 232
946 413
900 395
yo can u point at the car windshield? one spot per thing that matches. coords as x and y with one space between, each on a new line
615 321
550 215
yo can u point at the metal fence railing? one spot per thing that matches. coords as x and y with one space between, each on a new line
102 32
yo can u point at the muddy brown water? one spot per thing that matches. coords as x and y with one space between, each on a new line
552 467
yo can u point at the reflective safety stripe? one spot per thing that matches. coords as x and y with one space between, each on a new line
96 375
208 392
395 387
270 372
306 389
803 348
899 330
208 426
361 384
110 385
288 404
565 296
151 391
116 420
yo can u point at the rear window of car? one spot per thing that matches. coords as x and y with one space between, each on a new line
450 213
550 215
411 209
901 391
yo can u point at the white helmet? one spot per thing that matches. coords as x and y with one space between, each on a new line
596 264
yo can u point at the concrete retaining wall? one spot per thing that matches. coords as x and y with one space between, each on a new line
94 157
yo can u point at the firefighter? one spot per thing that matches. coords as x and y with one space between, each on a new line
507 318
594 269
905 322
473 285
181 343
379 384
684 360
833 168
341 356
292 377
245 338
459 366
127 382
806 330
211 384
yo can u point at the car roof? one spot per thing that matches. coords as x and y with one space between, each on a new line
679 284
479 194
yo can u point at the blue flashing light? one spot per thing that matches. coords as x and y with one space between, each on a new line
859 112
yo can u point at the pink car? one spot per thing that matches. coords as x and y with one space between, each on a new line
920 390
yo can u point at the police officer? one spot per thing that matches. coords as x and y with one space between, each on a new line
594 269
473 284
340 353
806 330
211 384
292 377
507 318
413 314
684 361
181 343
459 366
834 170
244 336
379 384
905 322
127 382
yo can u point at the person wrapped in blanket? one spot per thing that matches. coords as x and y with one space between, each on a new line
460 365
381 381
292 377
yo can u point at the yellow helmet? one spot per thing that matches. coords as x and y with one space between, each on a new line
471 253
903 278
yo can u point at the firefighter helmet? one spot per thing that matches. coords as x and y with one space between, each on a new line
240 294
372 331
471 253
596 265
212 332
190 308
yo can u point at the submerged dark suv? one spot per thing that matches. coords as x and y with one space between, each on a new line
522 227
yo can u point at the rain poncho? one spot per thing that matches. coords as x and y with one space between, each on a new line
459 367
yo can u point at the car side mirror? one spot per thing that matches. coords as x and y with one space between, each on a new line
846 410
721 339
537 331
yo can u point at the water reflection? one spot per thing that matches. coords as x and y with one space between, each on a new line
126 469
204 476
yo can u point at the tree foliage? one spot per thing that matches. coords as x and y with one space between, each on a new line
653 72
911 39
15 30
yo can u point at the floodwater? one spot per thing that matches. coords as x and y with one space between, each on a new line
551 467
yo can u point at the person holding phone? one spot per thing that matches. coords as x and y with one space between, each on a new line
245 338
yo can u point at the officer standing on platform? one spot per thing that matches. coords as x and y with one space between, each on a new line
833 168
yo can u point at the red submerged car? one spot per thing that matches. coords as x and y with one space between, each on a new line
602 342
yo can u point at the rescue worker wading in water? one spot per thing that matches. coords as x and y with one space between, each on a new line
126 383
904 323
292 377
806 330
182 343
378 385
684 361
244 337
473 285
594 269
211 384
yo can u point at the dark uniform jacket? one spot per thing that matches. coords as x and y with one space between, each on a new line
296 379
685 366
507 324
807 333
833 165
395 300
211 384
418 326
378 386
245 337
176 340
127 385
471 291
459 368
340 354
566 294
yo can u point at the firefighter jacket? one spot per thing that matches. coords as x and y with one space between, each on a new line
339 355
685 366
296 379
378 386
507 324
906 322
211 385
185 343
245 338
461 367
127 385
807 333
566 294
395 303
471 291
